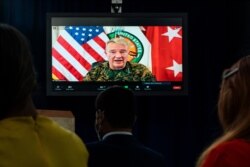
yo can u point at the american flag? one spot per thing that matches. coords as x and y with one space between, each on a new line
74 51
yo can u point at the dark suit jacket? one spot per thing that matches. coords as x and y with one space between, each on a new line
122 151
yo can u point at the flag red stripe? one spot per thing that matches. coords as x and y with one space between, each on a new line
92 52
58 74
100 42
66 64
74 53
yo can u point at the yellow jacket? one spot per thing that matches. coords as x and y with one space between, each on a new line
40 142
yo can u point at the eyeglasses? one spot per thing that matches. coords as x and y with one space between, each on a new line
229 72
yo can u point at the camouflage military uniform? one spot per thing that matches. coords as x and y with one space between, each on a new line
131 72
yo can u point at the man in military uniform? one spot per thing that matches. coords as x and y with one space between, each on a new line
118 68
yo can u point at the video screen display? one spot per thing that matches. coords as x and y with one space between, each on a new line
79 63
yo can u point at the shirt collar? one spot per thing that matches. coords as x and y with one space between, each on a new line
116 133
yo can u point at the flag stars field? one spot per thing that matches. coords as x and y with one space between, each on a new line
166 52
172 33
176 68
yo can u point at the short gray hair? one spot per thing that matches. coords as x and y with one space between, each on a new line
118 40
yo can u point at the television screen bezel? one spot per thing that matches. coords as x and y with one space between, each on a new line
113 19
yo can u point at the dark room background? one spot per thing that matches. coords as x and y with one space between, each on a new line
177 126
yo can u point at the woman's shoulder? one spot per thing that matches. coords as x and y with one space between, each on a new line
232 149
234 144
230 153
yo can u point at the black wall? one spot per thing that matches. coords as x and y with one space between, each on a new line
179 126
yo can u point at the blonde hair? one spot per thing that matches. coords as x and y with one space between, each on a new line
233 105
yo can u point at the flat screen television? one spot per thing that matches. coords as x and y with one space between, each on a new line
76 41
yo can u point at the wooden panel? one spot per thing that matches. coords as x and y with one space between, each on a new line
65 118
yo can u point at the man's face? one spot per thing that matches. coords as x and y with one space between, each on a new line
117 55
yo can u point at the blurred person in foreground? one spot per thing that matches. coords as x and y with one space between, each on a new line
115 117
27 138
232 148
